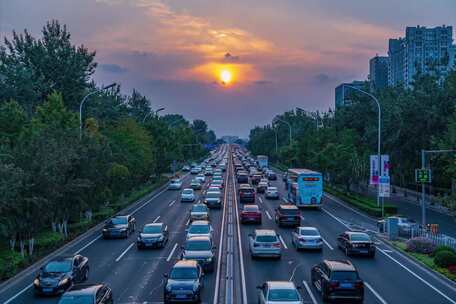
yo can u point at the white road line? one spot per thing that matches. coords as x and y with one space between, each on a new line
88 244
124 252
284 199
171 203
156 219
375 293
309 291
188 222
18 294
171 253
260 199
327 244
336 218
269 216
418 277
283 242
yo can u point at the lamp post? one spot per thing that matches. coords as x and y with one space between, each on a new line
288 124
85 99
317 125
150 113
379 130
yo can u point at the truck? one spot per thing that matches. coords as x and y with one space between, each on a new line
262 161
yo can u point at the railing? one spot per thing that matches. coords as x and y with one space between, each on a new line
436 238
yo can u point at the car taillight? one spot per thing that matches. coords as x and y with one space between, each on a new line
276 245
359 284
333 284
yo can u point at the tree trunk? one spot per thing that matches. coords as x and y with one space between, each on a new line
12 243
31 245
65 228
54 226
22 245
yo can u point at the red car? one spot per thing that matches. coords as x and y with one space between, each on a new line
251 214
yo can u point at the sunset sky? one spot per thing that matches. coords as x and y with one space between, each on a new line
276 55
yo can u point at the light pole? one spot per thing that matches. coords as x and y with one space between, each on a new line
379 141
155 112
287 123
317 125
84 100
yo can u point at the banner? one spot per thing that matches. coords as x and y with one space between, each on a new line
373 180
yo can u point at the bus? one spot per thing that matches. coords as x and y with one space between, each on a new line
305 187
262 161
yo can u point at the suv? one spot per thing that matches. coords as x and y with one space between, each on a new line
356 243
265 243
288 215
184 282
246 193
242 178
338 280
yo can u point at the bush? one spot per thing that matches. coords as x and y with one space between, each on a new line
10 263
452 269
47 240
420 245
443 248
445 259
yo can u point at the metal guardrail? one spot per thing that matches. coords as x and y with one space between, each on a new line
436 238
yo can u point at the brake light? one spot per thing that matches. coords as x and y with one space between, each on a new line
359 284
333 284
276 245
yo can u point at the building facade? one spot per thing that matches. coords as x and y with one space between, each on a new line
378 72
343 93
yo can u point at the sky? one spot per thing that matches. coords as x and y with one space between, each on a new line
280 54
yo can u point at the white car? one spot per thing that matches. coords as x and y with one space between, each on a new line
307 238
199 228
272 193
195 170
175 184
188 195
275 292
199 212
201 177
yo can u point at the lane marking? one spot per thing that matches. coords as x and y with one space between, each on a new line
88 244
260 199
18 294
171 203
309 291
124 252
327 244
156 219
171 253
188 222
376 294
269 216
283 242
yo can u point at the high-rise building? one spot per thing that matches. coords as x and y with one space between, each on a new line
422 50
343 93
378 72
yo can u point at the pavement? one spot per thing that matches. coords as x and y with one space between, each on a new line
137 276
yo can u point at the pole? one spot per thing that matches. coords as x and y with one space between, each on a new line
423 192
276 145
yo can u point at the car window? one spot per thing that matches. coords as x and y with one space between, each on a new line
199 208
272 188
266 238
251 208
199 229
213 194
283 295
152 229
188 191
198 245
289 211
309 232
344 276
119 220
77 299
183 273
59 266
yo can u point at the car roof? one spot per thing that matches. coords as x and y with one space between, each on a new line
199 222
186 263
120 216
350 233
199 238
154 225
83 289
280 285
308 228
272 187
288 206
265 232
251 206
62 258
340 265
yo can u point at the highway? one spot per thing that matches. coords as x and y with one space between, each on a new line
137 276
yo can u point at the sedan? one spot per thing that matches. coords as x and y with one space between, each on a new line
196 184
199 212
265 243
356 243
87 294
272 193
273 292
307 238
200 249
188 195
261 187
175 184
213 199
60 274
153 235
120 226
199 228
251 214
201 178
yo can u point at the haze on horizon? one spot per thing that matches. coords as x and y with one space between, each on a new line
281 54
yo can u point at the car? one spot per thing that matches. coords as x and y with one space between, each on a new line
199 228
261 187
405 225
271 175
217 183
60 273
186 168
256 178
120 226
250 214
154 235
196 184
213 199
265 243
338 280
273 292
272 193
242 178
218 171
287 215
208 171
201 177
175 184
188 195
354 242
223 167
246 193
184 282
199 212
99 293
307 238
200 249
213 188
195 170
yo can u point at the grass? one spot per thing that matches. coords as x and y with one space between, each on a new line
424 259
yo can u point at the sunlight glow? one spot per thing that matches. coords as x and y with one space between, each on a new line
226 76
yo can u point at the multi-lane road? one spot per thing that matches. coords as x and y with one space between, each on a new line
137 276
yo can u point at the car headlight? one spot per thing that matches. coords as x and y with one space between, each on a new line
36 282
139 238
105 230
123 229
195 286
168 287
64 282
209 260
161 238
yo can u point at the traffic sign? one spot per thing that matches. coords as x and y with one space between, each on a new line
423 176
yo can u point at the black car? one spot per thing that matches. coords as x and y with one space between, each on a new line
288 215
60 274
200 249
242 178
120 226
360 243
271 175
87 294
153 235
184 282
338 280
246 193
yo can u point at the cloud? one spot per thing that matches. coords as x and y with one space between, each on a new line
112 68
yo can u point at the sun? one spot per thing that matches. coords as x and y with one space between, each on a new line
226 76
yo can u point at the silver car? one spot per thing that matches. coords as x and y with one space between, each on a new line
199 228
175 184
275 292
265 243
199 212
188 195
307 238
272 193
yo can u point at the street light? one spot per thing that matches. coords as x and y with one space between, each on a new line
306 112
285 122
84 100
379 131
154 112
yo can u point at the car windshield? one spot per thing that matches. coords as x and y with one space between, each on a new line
213 189
79 299
272 189
119 221
250 208
175 181
198 245
310 232
266 238
183 273
213 194
283 295
195 181
344 276
290 211
199 208
187 191
360 237
152 229
200 229
58 266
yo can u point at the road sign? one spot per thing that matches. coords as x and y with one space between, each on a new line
423 176
375 171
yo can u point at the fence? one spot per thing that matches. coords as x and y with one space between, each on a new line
436 238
